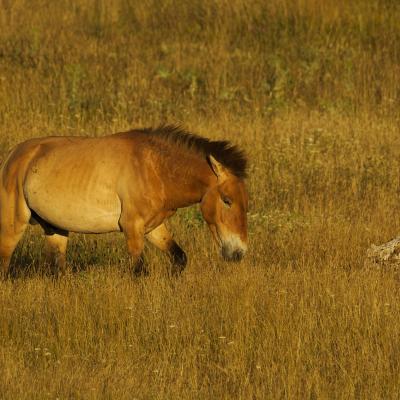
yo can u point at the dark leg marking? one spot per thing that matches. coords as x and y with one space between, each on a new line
178 259
140 268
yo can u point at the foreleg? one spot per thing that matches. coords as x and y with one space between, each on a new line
134 234
163 239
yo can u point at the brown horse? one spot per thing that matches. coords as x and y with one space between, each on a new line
129 182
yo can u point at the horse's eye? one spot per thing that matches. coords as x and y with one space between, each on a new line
227 201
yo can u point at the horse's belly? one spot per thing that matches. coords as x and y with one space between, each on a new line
94 211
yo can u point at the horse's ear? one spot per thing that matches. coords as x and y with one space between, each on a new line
218 169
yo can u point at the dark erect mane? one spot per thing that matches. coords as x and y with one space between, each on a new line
225 152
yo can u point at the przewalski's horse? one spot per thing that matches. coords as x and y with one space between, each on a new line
129 182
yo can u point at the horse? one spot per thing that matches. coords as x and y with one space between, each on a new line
129 182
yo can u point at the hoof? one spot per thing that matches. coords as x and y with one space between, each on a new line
140 270
178 258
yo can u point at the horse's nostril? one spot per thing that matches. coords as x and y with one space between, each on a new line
237 255
229 255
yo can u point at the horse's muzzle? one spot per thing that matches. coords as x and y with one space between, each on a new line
229 254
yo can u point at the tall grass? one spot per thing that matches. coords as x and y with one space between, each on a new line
310 90
124 62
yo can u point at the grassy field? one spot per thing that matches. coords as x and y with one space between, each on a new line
311 90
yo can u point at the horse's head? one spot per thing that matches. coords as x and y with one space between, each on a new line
224 207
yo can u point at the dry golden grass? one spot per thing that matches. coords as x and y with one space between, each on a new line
311 90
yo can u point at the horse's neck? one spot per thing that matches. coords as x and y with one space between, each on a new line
186 182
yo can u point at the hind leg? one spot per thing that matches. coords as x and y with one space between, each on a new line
55 247
55 250
13 222
9 239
